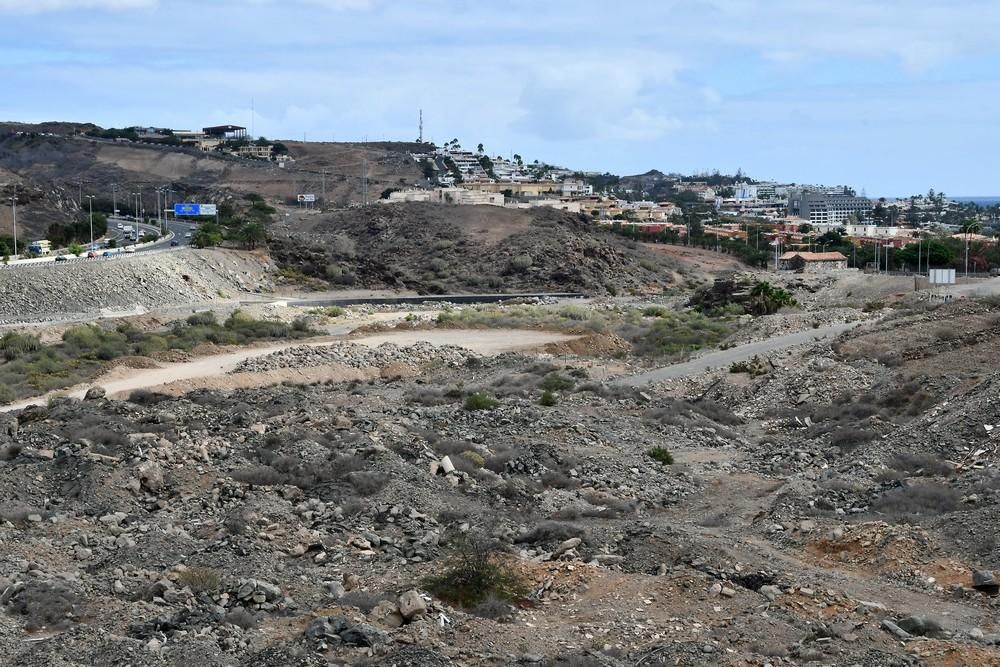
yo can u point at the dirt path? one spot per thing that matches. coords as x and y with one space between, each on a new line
724 358
122 379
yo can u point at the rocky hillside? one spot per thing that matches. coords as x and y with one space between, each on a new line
85 288
835 506
437 249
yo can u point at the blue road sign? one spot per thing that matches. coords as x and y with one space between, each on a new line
195 209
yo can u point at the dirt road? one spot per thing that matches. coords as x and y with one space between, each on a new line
122 379
725 358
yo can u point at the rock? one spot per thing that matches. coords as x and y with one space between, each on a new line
894 629
727 592
411 605
334 589
922 626
976 633
715 589
571 543
151 476
386 614
807 526
770 592
351 581
95 393
985 582
447 466
361 635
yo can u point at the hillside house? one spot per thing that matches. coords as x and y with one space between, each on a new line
812 262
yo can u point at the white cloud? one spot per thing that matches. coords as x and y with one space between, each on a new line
42 6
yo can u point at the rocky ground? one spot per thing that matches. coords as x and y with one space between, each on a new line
830 505
87 289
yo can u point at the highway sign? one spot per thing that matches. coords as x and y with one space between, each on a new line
307 198
195 209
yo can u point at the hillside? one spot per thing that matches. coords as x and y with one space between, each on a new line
51 165
452 249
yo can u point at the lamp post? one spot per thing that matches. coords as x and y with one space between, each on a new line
13 212
90 202
114 199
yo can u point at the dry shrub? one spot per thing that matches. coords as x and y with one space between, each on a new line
200 579
551 531
44 606
926 465
909 503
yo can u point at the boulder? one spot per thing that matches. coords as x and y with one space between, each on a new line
411 605
985 582
95 393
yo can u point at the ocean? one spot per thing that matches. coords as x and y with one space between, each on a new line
979 201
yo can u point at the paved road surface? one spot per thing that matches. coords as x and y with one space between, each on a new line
725 358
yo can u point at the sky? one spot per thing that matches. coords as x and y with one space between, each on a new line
890 97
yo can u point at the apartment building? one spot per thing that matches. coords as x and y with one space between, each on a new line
824 208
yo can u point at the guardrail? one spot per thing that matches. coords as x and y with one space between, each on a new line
118 254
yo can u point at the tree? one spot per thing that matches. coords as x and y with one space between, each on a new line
480 149
252 234
766 299
75 249
207 236
518 160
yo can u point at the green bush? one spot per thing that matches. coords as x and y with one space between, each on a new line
556 382
480 402
661 455
548 399
477 571
14 344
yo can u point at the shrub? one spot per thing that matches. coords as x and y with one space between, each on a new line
520 263
328 311
551 531
873 306
925 465
259 476
478 571
848 439
480 402
44 605
14 344
946 333
655 311
368 483
200 579
917 500
661 455
556 382
548 399
557 480
494 609
204 319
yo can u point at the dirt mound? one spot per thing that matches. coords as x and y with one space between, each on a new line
596 345
435 249
876 546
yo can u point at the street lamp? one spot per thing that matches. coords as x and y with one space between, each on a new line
90 201
13 212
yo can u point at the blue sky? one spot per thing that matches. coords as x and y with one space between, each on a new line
893 97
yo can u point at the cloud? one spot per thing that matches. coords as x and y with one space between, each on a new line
42 6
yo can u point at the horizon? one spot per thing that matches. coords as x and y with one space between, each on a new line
882 101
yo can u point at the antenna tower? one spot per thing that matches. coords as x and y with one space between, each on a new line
421 136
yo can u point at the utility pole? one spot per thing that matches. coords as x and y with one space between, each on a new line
90 201
13 212
114 199
324 190
421 135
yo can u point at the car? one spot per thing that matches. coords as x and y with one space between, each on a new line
188 235
174 243
62 258
120 226
91 254
130 249
108 253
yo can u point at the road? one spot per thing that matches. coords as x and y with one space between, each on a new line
122 379
725 358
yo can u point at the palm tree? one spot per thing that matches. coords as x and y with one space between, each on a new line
766 299
253 234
